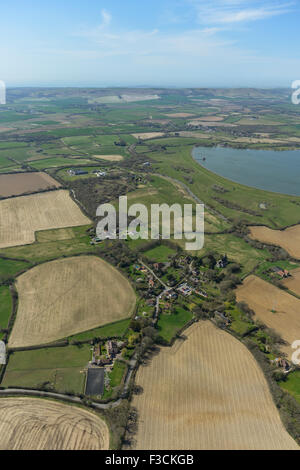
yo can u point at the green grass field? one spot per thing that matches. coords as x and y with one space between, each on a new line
116 376
15 155
236 249
5 163
47 250
10 116
58 162
12 145
11 169
117 373
113 330
292 385
157 191
12 268
59 368
169 325
240 324
160 253
5 307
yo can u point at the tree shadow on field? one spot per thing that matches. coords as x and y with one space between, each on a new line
149 356
129 441
137 390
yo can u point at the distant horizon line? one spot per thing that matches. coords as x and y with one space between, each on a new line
155 87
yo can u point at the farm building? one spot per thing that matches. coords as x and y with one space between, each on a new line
2 353
281 272
99 173
73 172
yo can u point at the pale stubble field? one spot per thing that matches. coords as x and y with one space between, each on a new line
21 217
68 296
207 393
35 424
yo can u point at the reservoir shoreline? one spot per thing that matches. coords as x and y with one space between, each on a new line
266 170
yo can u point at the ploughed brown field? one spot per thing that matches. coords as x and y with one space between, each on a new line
288 239
276 308
36 424
22 183
68 296
293 282
21 217
206 392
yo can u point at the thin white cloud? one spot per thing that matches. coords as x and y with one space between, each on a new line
238 11
210 31
176 52
155 42
196 48
122 42
106 18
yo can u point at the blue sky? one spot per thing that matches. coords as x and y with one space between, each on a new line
152 43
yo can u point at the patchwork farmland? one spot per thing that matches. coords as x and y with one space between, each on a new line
277 309
22 183
35 424
21 217
207 392
68 296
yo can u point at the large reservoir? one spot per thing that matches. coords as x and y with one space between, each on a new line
277 171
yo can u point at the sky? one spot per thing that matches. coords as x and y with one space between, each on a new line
160 43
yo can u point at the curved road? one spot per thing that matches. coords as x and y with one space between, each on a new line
73 399
57 396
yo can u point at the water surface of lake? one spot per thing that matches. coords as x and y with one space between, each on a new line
277 171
